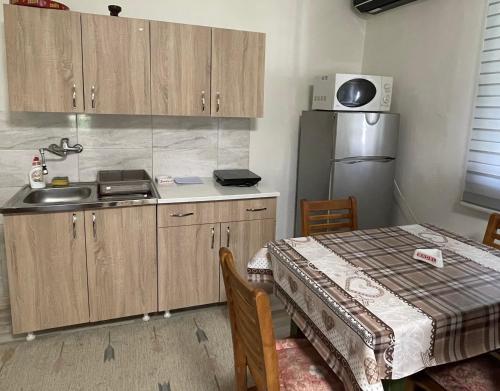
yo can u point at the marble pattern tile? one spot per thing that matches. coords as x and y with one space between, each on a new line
234 139
93 160
175 133
235 124
35 130
16 165
232 158
180 139
114 131
5 194
234 143
185 162
184 123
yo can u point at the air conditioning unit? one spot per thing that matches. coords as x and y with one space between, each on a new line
378 6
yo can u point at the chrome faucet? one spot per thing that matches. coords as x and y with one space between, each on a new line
61 150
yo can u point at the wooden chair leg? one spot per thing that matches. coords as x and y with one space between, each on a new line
423 382
397 385
295 331
240 369
410 385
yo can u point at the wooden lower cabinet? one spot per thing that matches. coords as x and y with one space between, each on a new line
47 270
244 239
121 259
76 267
188 271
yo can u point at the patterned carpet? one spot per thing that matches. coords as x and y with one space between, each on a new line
190 351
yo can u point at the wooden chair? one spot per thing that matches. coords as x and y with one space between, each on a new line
491 233
482 373
329 216
272 364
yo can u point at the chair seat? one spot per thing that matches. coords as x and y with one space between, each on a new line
477 374
302 368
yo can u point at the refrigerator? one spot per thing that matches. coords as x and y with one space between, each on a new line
348 153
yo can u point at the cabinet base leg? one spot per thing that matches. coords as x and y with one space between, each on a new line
146 317
30 337
167 314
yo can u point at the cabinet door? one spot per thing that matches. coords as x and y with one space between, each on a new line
188 271
244 239
47 270
180 69
116 65
121 259
44 59
238 59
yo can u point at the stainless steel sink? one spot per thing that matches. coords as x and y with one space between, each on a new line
78 196
58 195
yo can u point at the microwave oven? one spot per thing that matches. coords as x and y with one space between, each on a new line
345 92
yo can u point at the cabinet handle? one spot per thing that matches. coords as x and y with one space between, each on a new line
181 214
74 225
94 226
203 101
228 230
213 238
256 209
74 96
218 101
92 96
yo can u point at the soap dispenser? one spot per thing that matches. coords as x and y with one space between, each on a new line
36 178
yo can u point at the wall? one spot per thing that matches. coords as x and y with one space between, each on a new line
299 46
431 48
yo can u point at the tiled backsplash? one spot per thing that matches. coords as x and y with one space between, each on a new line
176 146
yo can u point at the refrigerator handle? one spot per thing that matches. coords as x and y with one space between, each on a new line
355 160
330 182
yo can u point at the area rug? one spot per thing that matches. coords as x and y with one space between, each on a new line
190 351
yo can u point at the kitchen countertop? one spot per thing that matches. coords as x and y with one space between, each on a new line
210 190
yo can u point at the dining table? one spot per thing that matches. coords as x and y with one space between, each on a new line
376 314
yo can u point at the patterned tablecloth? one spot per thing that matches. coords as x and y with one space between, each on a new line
373 312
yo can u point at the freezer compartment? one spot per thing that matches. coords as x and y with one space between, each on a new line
366 135
371 181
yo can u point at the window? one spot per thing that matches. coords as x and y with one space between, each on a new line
482 184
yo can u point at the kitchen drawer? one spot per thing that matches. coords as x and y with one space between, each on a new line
253 209
173 215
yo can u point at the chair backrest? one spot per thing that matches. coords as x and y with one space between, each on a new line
254 344
491 234
329 216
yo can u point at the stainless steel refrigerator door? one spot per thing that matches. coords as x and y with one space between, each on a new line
366 134
371 181
316 143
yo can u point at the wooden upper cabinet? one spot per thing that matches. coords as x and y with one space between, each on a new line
180 69
60 61
121 261
116 58
238 61
47 270
44 59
